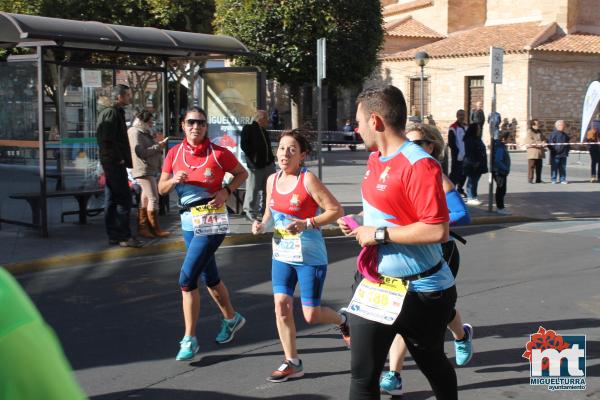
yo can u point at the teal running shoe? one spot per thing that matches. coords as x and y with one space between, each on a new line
391 383
464 348
188 348
229 328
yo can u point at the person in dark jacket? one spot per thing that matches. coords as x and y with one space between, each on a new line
256 144
115 157
477 116
594 149
500 170
559 153
456 133
474 162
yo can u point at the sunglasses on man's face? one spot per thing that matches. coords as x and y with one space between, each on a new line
192 122
421 142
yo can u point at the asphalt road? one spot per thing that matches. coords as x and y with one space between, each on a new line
120 323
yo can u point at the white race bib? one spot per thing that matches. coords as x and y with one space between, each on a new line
286 247
210 220
379 302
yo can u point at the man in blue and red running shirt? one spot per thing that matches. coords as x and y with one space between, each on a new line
406 218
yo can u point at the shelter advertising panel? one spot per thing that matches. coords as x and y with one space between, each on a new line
230 97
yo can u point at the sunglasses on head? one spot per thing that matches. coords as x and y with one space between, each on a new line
192 122
421 142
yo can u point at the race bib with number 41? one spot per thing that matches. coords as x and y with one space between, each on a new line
379 302
210 220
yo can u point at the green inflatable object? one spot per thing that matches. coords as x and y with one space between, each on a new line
32 363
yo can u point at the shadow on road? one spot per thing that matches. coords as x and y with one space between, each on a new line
162 394
216 359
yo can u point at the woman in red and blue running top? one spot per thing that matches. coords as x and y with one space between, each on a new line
294 196
195 169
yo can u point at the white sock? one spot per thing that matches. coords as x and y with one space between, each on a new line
295 361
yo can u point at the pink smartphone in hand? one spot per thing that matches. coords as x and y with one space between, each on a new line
351 222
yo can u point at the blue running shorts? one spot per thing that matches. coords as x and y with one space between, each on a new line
284 278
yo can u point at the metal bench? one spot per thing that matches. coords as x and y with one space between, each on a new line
34 201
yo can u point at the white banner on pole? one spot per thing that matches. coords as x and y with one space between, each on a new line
592 97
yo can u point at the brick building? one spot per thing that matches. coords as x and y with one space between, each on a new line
551 54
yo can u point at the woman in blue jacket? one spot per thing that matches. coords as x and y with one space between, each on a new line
500 171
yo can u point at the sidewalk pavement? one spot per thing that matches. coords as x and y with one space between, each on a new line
23 250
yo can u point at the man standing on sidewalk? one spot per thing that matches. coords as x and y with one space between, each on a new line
256 144
558 153
115 157
456 134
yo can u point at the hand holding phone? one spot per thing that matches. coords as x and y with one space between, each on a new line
351 222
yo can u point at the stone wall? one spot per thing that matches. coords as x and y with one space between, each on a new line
587 16
448 91
465 14
435 16
558 85
547 11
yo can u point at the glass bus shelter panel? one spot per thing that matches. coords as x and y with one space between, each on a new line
19 139
146 88
73 137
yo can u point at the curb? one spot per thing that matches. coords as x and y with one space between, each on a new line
159 247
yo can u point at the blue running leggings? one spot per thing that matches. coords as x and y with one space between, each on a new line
199 262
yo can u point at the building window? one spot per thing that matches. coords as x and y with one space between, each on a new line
474 86
415 96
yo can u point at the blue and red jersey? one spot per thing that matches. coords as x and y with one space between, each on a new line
402 189
205 167
297 203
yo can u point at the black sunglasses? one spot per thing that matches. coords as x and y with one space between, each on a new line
421 142
192 122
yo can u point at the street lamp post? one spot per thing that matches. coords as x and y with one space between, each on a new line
421 58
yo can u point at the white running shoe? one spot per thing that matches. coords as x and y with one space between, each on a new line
473 202
503 211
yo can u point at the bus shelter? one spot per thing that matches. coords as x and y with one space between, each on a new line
50 97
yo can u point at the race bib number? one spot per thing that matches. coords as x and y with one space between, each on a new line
286 247
210 220
379 302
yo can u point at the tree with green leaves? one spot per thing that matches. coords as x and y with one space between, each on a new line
283 35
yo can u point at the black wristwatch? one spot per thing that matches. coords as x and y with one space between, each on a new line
380 235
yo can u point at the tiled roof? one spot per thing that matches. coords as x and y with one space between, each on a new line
409 27
477 41
575 43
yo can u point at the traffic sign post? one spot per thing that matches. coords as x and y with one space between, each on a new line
321 74
496 61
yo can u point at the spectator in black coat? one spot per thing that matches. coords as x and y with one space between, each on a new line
115 157
474 163
256 144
